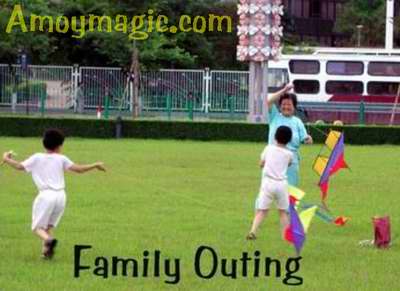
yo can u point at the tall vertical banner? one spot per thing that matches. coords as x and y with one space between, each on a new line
259 33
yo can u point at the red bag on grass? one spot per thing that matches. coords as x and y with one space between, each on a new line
382 231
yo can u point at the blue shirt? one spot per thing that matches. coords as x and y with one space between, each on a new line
299 132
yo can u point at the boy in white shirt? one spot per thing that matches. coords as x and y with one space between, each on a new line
47 171
275 160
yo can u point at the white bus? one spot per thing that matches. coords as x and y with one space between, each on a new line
343 75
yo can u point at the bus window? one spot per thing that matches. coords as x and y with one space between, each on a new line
384 69
306 86
344 87
383 88
304 67
277 78
344 68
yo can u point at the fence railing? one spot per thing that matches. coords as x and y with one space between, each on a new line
37 88
173 90
72 89
87 88
101 87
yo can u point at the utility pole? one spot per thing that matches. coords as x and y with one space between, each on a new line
389 24
359 29
134 80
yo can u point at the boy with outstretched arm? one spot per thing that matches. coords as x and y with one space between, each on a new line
47 170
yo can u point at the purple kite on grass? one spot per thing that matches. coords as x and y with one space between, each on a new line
295 231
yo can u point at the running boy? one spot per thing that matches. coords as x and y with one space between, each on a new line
47 171
275 160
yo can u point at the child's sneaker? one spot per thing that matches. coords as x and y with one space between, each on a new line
251 236
49 247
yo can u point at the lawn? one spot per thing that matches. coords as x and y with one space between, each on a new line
175 196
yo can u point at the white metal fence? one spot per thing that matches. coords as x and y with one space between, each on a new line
6 85
96 84
172 89
84 88
49 87
229 91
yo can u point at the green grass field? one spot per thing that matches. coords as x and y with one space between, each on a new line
175 196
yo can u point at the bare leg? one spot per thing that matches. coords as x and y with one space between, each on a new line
42 233
258 219
284 218
48 230
49 243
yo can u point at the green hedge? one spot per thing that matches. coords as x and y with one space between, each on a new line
207 131
32 127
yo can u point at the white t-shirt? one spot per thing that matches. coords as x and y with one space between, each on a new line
48 170
276 161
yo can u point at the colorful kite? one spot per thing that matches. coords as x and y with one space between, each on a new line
324 214
299 224
301 215
309 210
326 166
306 216
294 233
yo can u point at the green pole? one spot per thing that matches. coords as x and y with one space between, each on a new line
362 113
169 107
107 107
231 106
42 103
190 106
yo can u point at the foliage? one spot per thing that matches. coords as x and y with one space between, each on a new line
371 15
38 45
175 50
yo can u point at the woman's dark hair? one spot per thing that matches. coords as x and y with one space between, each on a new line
52 139
283 134
289 96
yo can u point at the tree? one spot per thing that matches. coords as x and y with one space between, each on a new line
159 51
168 49
38 45
371 14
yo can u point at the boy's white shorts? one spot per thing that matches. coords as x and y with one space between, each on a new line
48 208
273 190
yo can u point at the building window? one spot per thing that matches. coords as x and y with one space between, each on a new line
344 68
306 86
382 88
384 69
304 67
344 87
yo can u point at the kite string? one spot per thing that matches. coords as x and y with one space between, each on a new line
317 129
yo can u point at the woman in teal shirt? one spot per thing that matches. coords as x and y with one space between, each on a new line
286 116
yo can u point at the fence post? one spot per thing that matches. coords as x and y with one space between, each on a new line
207 79
74 87
169 106
190 105
106 107
27 93
14 99
231 106
362 113
14 95
42 104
